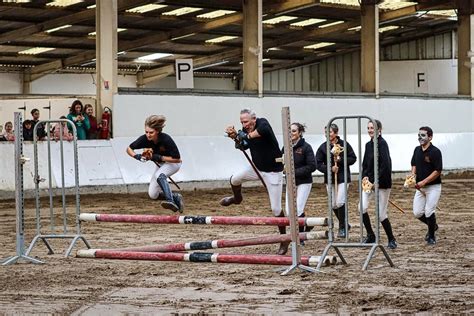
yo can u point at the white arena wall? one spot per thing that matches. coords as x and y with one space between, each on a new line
197 124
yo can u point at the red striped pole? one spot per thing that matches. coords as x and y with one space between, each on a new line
204 220
224 243
202 257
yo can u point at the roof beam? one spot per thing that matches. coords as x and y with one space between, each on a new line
67 19
294 37
41 70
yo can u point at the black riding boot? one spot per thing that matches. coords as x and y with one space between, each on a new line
303 228
423 219
165 188
392 243
234 199
178 200
342 221
432 227
368 227
283 245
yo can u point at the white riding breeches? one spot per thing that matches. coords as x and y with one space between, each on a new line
302 194
273 181
384 196
426 204
340 199
168 169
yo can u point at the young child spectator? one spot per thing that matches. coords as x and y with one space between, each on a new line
76 114
65 131
40 130
8 134
27 130
95 128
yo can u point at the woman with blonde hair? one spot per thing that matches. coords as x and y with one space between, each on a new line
162 150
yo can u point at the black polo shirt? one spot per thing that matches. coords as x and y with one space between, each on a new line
165 145
265 149
426 162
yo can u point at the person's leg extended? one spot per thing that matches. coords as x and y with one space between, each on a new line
236 180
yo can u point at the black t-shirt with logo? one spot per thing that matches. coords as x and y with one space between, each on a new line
165 145
265 149
426 162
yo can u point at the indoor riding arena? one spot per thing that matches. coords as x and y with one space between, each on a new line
144 166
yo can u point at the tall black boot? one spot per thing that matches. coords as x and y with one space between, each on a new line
422 219
368 227
234 199
178 200
432 227
283 245
342 220
302 229
392 243
165 187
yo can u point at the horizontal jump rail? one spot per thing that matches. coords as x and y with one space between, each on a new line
201 220
225 243
202 257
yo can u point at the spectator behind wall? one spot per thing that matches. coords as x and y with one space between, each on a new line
40 130
66 134
93 131
8 133
76 114
28 130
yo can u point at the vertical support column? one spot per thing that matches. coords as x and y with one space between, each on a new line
106 53
252 46
465 48
26 82
369 47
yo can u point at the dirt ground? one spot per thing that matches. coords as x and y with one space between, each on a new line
436 279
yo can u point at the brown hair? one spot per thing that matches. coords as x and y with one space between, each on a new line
157 122
301 127
88 106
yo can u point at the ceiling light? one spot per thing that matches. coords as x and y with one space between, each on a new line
388 28
91 6
279 19
220 39
356 28
318 45
215 14
331 24
450 14
118 30
182 11
63 3
154 56
212 65
342 2
146 8
307 22
58 28
35 50
183 36
394 5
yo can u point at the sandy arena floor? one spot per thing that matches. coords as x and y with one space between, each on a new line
437 279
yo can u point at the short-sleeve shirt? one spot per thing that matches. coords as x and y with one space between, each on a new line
426 162
165 145
265 149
